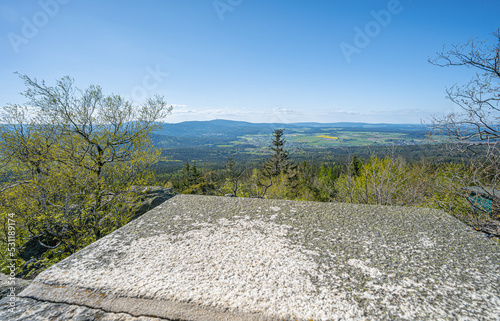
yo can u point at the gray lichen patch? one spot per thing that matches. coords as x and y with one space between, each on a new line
291 260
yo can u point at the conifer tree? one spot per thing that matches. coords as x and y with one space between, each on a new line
278 164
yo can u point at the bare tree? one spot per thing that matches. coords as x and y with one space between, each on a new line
480 98
475 131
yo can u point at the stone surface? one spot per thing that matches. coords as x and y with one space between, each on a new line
25 309
11 286
222 258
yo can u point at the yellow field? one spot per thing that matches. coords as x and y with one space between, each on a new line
327 137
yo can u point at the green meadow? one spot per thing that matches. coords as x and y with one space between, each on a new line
325 139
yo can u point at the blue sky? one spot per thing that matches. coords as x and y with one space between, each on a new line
251 60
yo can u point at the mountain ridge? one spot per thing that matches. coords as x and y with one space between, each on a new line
232 128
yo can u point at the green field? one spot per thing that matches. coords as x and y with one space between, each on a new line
335 139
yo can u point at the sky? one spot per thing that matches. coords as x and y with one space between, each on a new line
251 60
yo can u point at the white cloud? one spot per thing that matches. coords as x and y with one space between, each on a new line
407 115
182 112
287 111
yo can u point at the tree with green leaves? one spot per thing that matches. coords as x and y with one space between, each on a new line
191 177
232 177
387 181
70 158
355 165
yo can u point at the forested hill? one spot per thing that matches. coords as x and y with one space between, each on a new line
230 128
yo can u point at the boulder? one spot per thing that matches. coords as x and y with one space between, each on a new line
150 197
11 286
198 258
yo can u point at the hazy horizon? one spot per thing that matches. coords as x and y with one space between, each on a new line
297 122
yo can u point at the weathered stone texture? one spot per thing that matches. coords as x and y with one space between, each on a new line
203 258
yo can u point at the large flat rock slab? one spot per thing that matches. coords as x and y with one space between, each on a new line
219 258
34 310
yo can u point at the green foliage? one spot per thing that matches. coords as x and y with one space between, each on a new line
380 181
278 162
277 175
451 193
71 157
193 182
356 165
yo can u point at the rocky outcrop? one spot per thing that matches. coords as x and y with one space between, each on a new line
25 309
11 286
150 197
198 258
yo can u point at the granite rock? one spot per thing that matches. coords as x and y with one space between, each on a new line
220 258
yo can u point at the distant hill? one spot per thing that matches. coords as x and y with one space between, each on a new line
233 129
225 128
